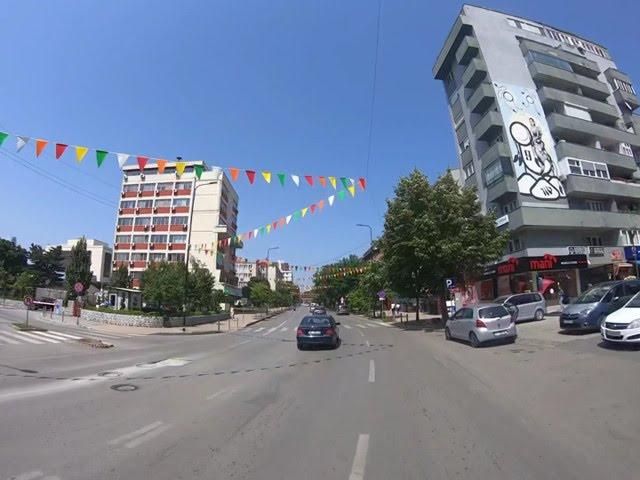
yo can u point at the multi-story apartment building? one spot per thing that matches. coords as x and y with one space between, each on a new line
285 268
245 270
166 217
101 257
270 271
545 130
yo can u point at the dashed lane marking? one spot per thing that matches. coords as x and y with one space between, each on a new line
372 371
259 329
360 458
24 338
347 327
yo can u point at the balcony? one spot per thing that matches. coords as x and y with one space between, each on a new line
466 156
468 49
507 185
482 98
475 73
582 131
618 163
488 126
621 97
564 219
497 151
615 76
563 79
600 111
578 62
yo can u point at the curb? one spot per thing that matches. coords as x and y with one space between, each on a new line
265 318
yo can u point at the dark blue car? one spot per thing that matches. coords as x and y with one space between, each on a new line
318 330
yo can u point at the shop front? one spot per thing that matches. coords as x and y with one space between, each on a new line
544 274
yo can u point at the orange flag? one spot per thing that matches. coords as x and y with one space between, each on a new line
234 173
40 144
161 165
323 181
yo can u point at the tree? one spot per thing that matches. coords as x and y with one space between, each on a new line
6 279
434 232
246 291
46 264
200 288
163 285
364 298
79 268
121 277
261 294
25 284
13 258
332 284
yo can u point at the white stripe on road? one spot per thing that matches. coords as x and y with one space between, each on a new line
372 325
382 323
54 336
48 338
368 344
284 329
44 339
372 371
67 335
259 329
360 325
360 332
271 330
360 458
146 437
29 475
23 337
140 431
8 340
221 392
347 326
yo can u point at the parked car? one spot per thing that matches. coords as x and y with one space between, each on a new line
623 325
320 330
342 310
530 306
589 310
482 323
319 311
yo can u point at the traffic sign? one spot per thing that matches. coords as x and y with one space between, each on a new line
382 295
78 287
450 283
28 300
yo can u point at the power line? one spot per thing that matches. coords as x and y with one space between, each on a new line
373 89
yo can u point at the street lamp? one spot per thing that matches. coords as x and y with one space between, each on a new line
269 250
186 258
370 231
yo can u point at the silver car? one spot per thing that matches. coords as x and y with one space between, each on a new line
530 306
482 323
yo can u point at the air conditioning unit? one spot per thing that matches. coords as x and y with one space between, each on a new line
131 264
173 209
139 193
184 227
169 245
155 209
133 246
118 228
120 210
175 190
115 262
153 228
122 194
137 210
151 246
142 176
146 227
115 245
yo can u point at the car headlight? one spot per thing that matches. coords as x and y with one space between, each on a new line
585 312
634 324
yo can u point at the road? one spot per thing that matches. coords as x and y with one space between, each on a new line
388 404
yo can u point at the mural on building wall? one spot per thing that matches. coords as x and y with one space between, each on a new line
534 157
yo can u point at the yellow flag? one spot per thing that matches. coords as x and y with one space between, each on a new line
267 176
332 181
268 227
304 211
352 190
180 168
80 153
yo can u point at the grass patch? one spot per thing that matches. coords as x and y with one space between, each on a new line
23 327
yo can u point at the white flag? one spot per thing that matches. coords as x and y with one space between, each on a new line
296 180
255 232
331 199
122 159
288 219
21 142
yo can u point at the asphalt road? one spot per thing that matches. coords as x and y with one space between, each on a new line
388 404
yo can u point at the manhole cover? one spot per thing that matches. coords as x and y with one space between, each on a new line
124 387
110 374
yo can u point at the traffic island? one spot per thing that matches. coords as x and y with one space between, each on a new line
23 327
93 343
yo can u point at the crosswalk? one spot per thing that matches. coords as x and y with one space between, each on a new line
35 337
362 325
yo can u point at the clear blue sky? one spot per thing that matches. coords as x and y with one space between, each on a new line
278 85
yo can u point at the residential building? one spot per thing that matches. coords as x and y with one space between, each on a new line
269 271
245 270
545 129
285 268
101 257
169 217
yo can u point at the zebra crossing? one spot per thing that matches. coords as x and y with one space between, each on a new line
35 337
361 325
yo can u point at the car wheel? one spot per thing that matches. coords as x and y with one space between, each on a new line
473 339
300 346
511 340
539 315
447 334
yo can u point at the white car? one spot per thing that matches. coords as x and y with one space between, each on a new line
623 325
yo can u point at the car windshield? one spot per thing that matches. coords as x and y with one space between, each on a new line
492 312
501 299
634 302
315 322
594 294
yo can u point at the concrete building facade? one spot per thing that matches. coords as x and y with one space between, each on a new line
545 129
167 217
101 257
245 270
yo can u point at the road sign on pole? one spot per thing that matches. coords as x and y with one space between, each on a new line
78 287
450 283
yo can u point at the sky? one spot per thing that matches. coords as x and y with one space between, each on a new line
278 85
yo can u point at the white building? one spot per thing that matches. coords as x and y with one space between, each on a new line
245 270
285 268
101 257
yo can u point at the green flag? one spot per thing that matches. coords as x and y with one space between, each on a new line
341 194
297 214
280 177
3 137
345 181
198 169
100 156
261 230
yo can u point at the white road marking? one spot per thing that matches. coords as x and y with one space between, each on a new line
24 338
259 329
219 393
29 475
368 344
347 326
44 339
271 330
49 338
360 325
284 329
140 431
8 340
54 336
67 335
360 332
372 371
372 325
146 437
360 458
382 323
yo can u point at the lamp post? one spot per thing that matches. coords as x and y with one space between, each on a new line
186 258
370 231
269 250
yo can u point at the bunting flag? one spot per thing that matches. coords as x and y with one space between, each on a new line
332 181
3 137
162 164
304 211
320 204
100 156
80 153
198 169
312 208
341 194
268 228
274 225
345 181
40 144
331 199
251 175
21 141
323 181
352 190
180 166
60 148
362 182
142 162
296 180
288 219
255 232
309 180
234 173
266 176
281 177
122 159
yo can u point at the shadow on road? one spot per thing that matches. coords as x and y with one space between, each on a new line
621 347
428 325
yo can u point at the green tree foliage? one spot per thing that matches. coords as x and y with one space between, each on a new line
13 258
261 294
6 279
79 268
163 285
46 264
331 288
25 284
121 277
200 289
246 291
364 298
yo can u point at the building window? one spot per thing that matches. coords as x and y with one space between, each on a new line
595 205
128 204
121 256
625 149
179 220
143 221
588 169
125 222
145 203
594 241
493 173
183 186
456 110
123 238
158 239
130 188
148 187
140 239
138 257
576 111
176 257
136 275
622 85
164 186
163 203
156 257
509 207
469 170
181 202
178 238
630 237
161 220
533 56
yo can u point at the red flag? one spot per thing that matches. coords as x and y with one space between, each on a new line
309 179
362 182
234 173
142 162
250 234
282 222
274 225
323 181
321 204
312 207
60 148
251 175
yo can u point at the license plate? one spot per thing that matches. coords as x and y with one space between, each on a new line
614 335
568 321
314 332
